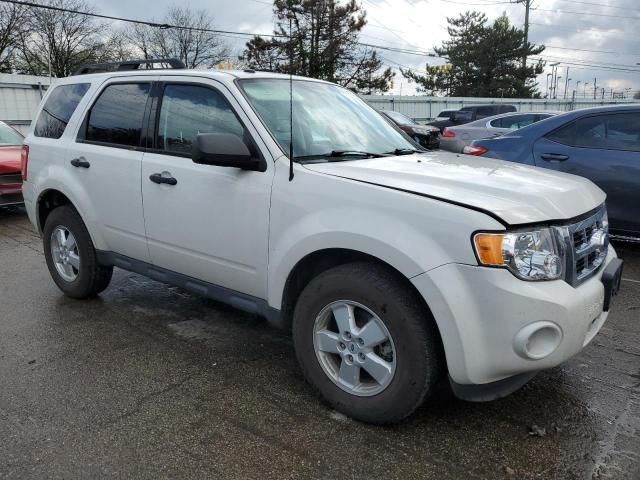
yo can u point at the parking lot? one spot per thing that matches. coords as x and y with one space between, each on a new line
148 381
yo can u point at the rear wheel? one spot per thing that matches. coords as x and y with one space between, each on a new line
71 256
365 342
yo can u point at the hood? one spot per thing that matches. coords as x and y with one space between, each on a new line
515 193
10 159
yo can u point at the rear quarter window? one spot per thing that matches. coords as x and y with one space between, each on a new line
58 109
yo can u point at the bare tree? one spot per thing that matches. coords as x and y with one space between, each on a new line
142 38
59 42
12 26
117 48
192 44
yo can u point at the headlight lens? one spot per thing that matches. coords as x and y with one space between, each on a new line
532 255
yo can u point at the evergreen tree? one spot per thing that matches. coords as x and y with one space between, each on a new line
323 43
483 61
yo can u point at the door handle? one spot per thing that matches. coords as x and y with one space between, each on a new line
80 162
159 178
554 157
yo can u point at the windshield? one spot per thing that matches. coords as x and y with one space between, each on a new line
326 119
8 136
399 117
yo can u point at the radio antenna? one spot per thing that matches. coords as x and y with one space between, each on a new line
290 92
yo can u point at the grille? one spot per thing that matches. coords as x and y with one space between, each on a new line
587 242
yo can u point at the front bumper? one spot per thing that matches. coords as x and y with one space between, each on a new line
486 314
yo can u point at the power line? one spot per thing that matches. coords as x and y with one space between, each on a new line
592 51
599 5
557 10
220 32
139 22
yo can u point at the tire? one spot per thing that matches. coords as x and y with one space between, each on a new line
415 344
90 278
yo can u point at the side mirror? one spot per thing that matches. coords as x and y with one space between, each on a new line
223 150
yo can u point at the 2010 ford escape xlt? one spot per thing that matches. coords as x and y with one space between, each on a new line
389 264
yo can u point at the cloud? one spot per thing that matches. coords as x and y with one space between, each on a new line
421 25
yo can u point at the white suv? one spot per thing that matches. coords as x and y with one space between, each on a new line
391 265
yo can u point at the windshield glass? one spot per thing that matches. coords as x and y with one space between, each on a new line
399 117
8 136
326 118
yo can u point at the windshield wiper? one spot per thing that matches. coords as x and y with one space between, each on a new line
336 155
403 151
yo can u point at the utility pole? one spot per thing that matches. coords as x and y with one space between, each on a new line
554 73
527 6
566 83
595 87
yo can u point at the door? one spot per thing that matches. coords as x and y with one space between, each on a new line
604 148
106 158
212 224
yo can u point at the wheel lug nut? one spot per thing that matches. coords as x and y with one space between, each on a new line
361 356
347 335
360 341
342 346
350 358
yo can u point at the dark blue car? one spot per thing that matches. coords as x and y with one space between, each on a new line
601 144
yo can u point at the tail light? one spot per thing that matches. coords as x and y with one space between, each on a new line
448 133
24 161
472 150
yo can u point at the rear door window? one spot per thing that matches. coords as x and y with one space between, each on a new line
620 131
116 116
58 108
513 122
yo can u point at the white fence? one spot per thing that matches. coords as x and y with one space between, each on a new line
19 99
424 108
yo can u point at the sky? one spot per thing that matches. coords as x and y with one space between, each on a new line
596 39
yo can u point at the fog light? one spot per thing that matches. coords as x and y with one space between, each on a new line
537 340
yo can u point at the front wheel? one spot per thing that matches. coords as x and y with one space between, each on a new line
71 256
366 343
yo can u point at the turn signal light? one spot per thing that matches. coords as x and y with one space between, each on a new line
489 248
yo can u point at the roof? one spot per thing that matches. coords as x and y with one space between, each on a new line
211 73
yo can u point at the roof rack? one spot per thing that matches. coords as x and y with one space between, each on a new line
128 65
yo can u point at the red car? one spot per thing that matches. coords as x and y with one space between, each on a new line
10 176
425 135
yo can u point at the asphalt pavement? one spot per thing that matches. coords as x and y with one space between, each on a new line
148 381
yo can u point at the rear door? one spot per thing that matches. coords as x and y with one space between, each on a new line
106 159
604 148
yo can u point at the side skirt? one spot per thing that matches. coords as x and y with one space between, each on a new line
233 298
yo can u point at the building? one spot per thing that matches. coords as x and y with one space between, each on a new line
20 96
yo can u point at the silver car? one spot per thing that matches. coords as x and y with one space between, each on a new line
455 138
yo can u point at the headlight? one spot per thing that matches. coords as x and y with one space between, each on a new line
532 255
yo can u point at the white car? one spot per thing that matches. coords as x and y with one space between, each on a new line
391 267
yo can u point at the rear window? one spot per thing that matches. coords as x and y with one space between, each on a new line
116 117
58 108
